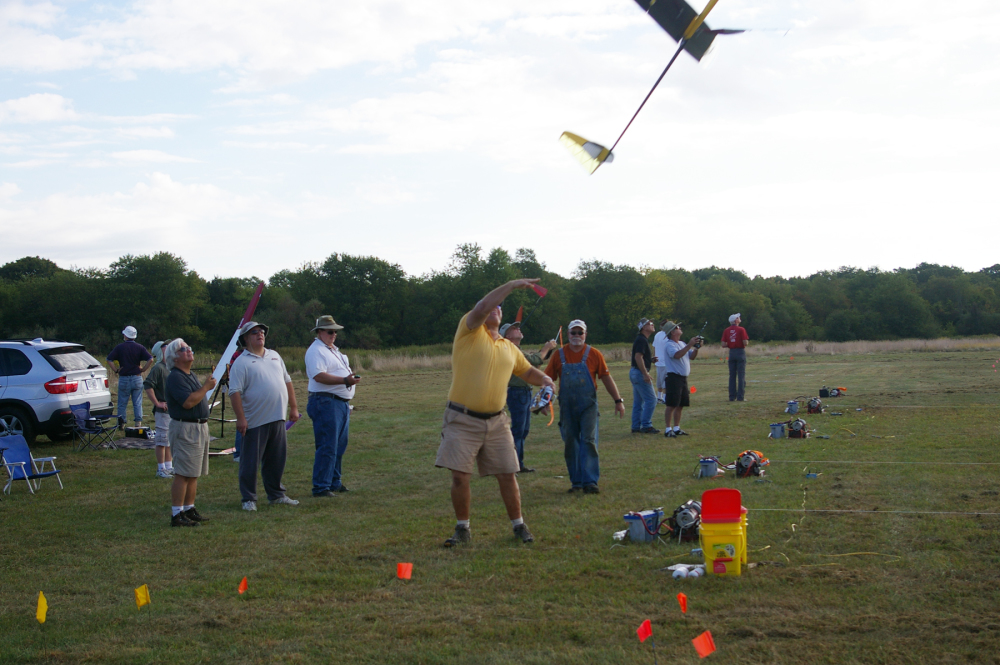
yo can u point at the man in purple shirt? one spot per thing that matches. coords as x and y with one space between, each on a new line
128 355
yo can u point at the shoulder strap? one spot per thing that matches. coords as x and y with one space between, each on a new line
586 352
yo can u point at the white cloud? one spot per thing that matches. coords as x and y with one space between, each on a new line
147 132
39 107
8 189
156 156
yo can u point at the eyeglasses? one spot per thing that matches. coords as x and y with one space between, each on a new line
257 331
577 334
185 349
329 332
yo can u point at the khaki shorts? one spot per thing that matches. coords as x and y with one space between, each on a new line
162 429
189 447
661 378
468 441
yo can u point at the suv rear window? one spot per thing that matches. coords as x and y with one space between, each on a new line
70 358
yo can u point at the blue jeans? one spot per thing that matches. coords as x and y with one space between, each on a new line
331 420
737 374
519 403
238 444
643 400
130 387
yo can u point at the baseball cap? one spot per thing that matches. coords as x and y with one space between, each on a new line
507 326
577 323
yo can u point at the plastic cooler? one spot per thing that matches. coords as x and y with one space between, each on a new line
637 533
722 534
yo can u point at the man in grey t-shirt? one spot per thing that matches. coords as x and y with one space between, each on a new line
261 392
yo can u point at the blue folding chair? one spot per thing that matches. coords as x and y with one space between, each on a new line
93 431
22 466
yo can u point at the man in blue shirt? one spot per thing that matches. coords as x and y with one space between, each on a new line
128 355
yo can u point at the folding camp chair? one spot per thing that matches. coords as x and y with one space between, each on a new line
22 466
93 431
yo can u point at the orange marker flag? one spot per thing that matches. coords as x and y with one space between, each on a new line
683 601
141 597
693 390
404 570
791 357
704 644
43 608
520 313
242 587
644 630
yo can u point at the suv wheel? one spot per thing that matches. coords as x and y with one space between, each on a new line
14 421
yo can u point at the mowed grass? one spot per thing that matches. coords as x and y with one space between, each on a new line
874 587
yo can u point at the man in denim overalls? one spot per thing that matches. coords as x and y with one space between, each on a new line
575 367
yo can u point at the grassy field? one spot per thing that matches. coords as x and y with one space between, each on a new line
866 587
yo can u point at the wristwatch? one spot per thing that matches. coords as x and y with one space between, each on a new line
619 401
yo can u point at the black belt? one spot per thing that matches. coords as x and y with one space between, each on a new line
336 397
676 374
474 414
200 421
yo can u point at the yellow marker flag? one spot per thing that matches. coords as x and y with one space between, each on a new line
141 597
43 607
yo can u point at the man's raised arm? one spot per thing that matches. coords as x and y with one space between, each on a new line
492 300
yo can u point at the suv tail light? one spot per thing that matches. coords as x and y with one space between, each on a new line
105 382
61 386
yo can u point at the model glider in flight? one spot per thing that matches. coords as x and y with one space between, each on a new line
692 34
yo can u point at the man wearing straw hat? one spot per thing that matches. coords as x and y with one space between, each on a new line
331 389
261 392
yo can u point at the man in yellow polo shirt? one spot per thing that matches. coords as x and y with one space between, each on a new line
476 430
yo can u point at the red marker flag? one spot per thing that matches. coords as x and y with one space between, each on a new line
693 390
243 586
683 601
704 644
404 570
644 630
540 290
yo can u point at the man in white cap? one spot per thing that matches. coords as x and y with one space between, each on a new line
519 391
124 360
261 393
735 339
679 357
577 367
476 429
331 388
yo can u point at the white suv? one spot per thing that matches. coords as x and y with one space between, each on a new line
39 379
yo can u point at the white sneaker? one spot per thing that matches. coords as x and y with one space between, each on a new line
162 473
250 505
284 500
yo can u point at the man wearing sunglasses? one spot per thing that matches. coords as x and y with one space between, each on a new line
261 392
577 367
476 429
331 389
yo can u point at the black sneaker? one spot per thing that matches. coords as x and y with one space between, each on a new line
324 493
521 531
462 535
181 519
525 469
571 490
342 489
591 489
680 432
193 515
649 430
669 434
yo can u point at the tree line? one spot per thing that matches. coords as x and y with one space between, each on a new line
382 307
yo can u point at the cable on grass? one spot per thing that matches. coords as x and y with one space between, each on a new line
887 512
894 556
820 461
844 429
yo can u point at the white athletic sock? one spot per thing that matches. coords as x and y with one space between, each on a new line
174 510
677 428
464 523
187 508
160 466
169 465
516 523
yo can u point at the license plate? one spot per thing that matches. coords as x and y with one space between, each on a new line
90 384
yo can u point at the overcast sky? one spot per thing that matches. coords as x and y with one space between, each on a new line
252 136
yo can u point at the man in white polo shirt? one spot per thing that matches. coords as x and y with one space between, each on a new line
261 392
331 388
